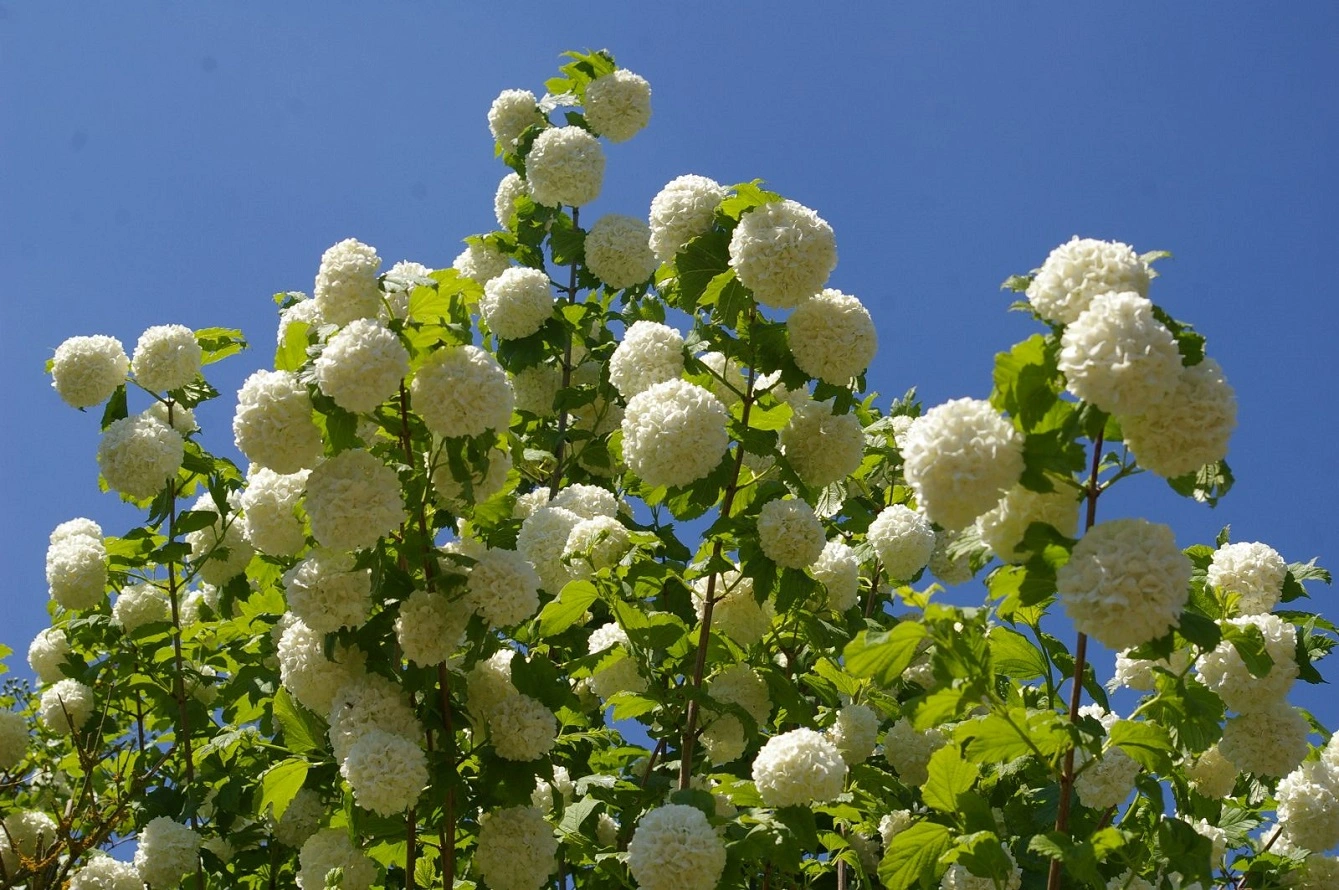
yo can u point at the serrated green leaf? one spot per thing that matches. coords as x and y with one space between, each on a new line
280 784
1015 656
949 776
572 602
883 656
292 352
1146 743
912 858
302 729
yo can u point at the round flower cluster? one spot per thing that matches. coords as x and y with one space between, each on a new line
76 569
482 262
1118 356
167 850
273 425
516 303
536 387
799 768
790 534
1309 806
430 627
783 252
1141 673
105 873
832 337
1270 741
1212 774
617 673
542 540
270 502
305 672
1317 873
960 458
489 682
521 728
1253 571
503 588
1187 429
1125 583
352 500
219 552
13 739
85 371
516 849
618 251
304 311
330 849
908 750
75 528
565 166
959 878
723 739
386 772
346 283
595 544
903 540
1003 528
138 605
362 365
822 447
326 592
894 823
462 392
1079 270
587 501
739 684
301 819
855 733
650 353
683 209
674 433
367 703
734 610
838 570
509 190
138 454
47 653
25 833
618 105
167 357
179 417
1108 781
1224 671
399 283
675 848
511 114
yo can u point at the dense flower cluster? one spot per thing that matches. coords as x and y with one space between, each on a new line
1187 429
482 485
516 849
783 252
271 503
958 877
960 458
903 540
1270 741
908 750
346 283
790 534
1212 774
352 500
832 337
855 732
1309 806
511 114
167 850
618 105
1118 356
25 833
565 166
650 353
76 567
516 303
509 190
301 819
618 251
367 703
330 849
595 544
587 501
1141 673
1225 672
1079 270
1003 528
386 772
305 672
399 283
503 587
675 848
1253 571
362 365
739 684
1108 780
735 611
822 447
106 873
326 592
47 653
85 371
799 768
138 454
674 433
521 728
894 823
167 357
838 570
429 627
273 425
138 605
681 211
482 262
462 391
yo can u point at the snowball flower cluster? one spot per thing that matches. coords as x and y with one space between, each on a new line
739 684
482 262
587 501
894 823
536 387
509 191
735 612
565 166
26 833
270 502
489 682
960 458
362 365
681 211
799 768
618 251
327 850
1003 528
675 848
220 551
783 252
179 417
167 850
959 878
105 873
76 567
1309 806
1253 571
503 587
1125 583
85 371
1318 873
346 283
908 750
352 500
301 818
387 772
723 739
1224 671
516 303
138 454
618 105
516 849
326 592
1187 429
369 703
1079 270
838 570
273 425
595 544
511 114
462 391
521 728
1141 673
138 605
430 627
822 447
13 739
542 540
1108 781
1212 774
305 672
615 674
399 283
650 353
790 534
1118 356
1270 741
167 357
674 433
832 337
855 732
903 540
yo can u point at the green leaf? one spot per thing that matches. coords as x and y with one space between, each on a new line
701 260
303 730
1017 283
1250 645
913 857
627 705
574 814
883 655
1199 629
194 520
1206 485
1079 857
219 343
292 353
280 784
116 407
949 777
1027 381
1147 744
572 602
1015 656
747 195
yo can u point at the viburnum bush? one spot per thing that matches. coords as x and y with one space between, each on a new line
592 562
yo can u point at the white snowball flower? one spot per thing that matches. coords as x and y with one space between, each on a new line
80 527
565 166
362 365
352 500
960 458
47 653
509 190
327 850
1224 671
1212 774
271 502
723 739
482 262
908 750
959 878
462 391
650 353
521 728
1309 806
855 733
301 818
386 772
618 251
587 501
1079 270
1318 873
326 592
503 588
399 283
273 425
893 824
304 311
305 672
1125 583
1003 528
85 371
138 605
783 252
368 703
790 534
903 541
618 105
798 768
1106 782
832 337
511 114
734 611
138 454
346 283
488 683
105 873
536 387
26 833
430 628
516 303
1140 673
1268 742
542 539
675 848
838 570
822 447
180 418
76 571
167 851
1118 356
681 211
167 357
1253 571
218 552
674 434
13 739
516 849
617 675
739 684
531 502
1187 429
606 831
595 544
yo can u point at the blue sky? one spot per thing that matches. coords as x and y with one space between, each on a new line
179 163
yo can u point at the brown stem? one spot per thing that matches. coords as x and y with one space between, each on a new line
841 865
571 291
447 832
651 761
873 590
411 854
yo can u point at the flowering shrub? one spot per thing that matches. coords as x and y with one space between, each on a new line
591 559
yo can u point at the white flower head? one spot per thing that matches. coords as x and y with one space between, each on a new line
1079 270
167 357
838 570
330 849
368 703
649 353
855 732
832 337
138 454
138 605
908 750
26 833
346 284
272 504
13 739
618 105
76 570
509 190
362 365
300 820
482 262
1003 528
674 433
85 371
399 283
961 457
106 873
305 672
489 682
462 391
822 447
1309 806
565 166
1187 429
790 534
177 416
903 540
799 768
1253 571
511 114
894 823
220 551
618 251
1270 741
503 588
273 425
167 851
681 211
1108 781
1118 356
326 592
1224 671
675 848
1212 774
587 501
783 252
304 311
517 302
735 611
352 500
542 540
739 684
387 772
959 878
429 628
516 849
595 544
521 728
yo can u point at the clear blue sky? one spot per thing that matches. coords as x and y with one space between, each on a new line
165 162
